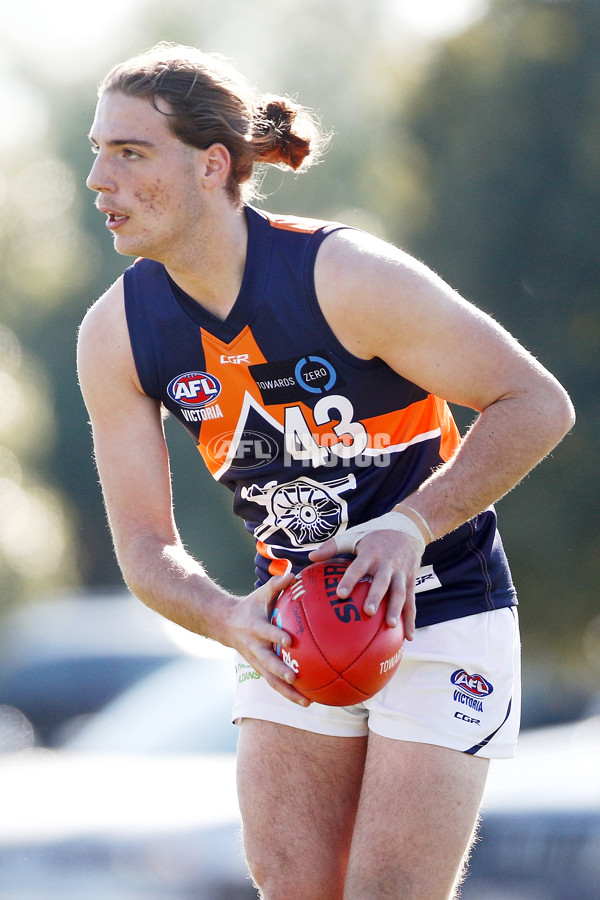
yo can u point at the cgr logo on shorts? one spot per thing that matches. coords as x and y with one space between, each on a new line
464 718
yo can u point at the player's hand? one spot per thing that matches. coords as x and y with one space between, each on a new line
253 636
393 560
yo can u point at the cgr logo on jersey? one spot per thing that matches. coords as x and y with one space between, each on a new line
194 390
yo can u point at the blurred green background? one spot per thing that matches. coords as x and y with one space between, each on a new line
471 139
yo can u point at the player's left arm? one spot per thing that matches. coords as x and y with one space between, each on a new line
380 302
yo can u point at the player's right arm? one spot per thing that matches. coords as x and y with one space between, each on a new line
133 465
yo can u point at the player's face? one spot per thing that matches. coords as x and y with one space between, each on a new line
147 180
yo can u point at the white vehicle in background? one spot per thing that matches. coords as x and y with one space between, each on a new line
139 801
66 657
540 833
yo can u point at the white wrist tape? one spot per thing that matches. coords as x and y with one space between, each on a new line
392 521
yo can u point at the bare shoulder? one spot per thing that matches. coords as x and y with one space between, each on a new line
103 346
365 252
367 286
348 253
381 302
103 320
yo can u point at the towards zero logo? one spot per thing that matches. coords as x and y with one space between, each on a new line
194 389
315 374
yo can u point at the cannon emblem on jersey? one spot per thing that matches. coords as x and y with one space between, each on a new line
307 511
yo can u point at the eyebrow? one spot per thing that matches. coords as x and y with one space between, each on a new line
121 142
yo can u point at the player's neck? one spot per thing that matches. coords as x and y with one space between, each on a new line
211 269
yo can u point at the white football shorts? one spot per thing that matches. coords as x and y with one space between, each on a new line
458 686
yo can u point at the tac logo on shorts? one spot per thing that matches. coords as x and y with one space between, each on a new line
473 685
194 390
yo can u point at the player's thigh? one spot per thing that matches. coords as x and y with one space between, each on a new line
418 807
298 796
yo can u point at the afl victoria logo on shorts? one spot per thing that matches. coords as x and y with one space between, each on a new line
470 691
194 390
473 685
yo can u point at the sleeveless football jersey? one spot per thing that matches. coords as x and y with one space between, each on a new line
309 438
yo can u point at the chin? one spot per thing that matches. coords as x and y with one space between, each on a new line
129 247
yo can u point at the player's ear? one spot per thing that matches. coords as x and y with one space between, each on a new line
216 165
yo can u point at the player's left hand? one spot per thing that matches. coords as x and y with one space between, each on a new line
392 559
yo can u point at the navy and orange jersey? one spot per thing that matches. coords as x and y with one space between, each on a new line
310 439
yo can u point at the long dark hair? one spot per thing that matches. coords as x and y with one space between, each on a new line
209 102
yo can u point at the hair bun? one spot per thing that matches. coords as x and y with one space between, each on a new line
276 116
282 132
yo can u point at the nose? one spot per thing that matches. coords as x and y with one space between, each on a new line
99 178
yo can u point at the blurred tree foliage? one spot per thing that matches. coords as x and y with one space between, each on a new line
481 157
505 129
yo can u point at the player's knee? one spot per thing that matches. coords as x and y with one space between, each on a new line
285 888
404 882
277 876
270 870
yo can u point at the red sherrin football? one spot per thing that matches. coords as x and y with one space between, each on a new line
341 655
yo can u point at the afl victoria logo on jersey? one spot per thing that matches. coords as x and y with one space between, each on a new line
194 390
